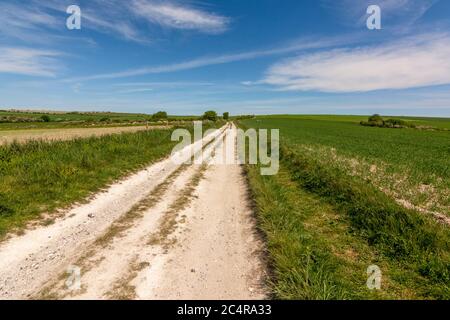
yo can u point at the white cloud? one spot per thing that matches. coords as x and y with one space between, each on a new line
122 28
21 21
177 16
122 19
28 61
422 61
299 45
396 14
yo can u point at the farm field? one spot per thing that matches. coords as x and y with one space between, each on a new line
348 197
439 123
246 159
29 120
410 165
23 136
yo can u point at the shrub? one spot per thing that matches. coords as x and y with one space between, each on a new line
159 115
45 118
226 115
210 115
377 121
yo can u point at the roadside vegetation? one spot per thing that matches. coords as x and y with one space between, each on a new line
327 221
210 115
16 119
39 177
411 166
377 121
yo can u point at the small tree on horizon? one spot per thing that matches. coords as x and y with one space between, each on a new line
210 115
159 115
226 115
45 118
376 118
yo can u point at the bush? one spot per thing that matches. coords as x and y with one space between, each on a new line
376 118
226 115
45 118
159 115
210 115
377 121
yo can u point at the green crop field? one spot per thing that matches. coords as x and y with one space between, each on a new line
349 196
439 123
411 165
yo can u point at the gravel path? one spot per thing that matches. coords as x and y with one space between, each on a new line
166 232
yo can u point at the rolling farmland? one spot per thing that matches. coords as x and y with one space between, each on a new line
349 196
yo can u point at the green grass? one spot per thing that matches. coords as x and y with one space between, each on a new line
317 254
442 123
326 223
410 165
61 125
39 177
76 116
11 120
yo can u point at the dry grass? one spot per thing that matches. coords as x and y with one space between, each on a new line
62 134
122 289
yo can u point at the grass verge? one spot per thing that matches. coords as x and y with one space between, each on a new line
39 177
325 227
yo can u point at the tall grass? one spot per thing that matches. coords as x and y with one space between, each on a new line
401 234
39 177
320 213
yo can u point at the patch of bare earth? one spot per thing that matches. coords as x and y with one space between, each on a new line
167 232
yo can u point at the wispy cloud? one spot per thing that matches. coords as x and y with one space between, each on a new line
299 45
124 18
177 16
21 21
409 63
395 13
28 61
137 90
166 84
110 17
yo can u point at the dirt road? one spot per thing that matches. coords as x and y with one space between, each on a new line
22 136
167 232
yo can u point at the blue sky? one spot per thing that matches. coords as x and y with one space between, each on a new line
241 56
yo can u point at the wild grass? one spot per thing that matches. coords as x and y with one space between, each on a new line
39 177
316 254
410 164
404 236
317 211
22 120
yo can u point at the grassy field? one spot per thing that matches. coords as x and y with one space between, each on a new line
410 165
23 136
441 123
335 209
21 120
39 177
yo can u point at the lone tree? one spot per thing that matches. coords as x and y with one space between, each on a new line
210 115
376 118
226 115
160 115
45 118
